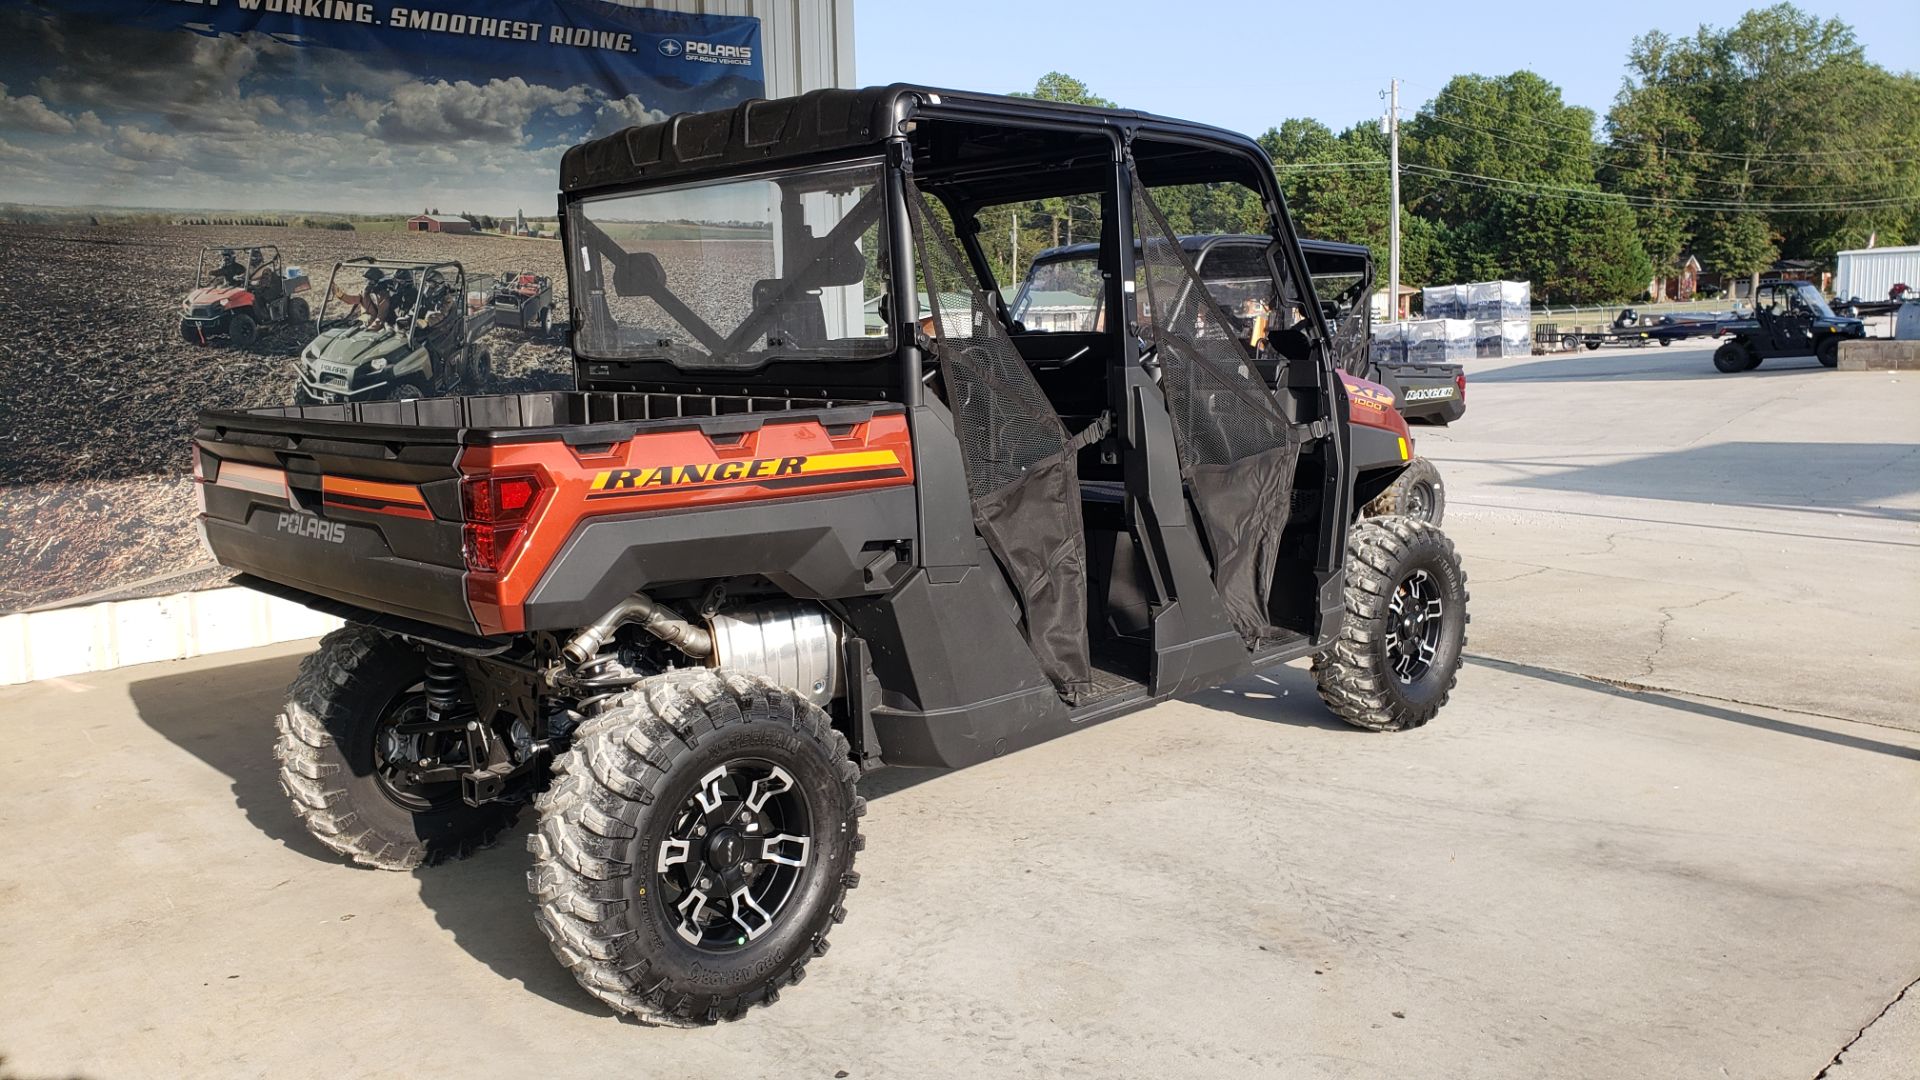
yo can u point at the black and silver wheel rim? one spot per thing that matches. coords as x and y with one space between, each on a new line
1415 618
734 854
406 742
1420 502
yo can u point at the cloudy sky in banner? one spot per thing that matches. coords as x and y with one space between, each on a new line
99 113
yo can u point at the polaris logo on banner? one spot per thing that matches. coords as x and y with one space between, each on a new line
706 52
333 532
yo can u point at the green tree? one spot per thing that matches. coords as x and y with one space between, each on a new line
1780 119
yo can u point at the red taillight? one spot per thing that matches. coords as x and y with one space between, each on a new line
496 508
1460 382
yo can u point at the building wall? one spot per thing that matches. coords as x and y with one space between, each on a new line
808 43
1869 274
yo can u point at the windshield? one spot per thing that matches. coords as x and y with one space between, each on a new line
736 273
1061 295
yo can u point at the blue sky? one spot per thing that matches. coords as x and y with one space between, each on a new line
1247 66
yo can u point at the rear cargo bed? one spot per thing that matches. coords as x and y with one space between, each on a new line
370 504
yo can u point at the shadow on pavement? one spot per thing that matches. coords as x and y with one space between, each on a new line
1856 477
1280 695
225 717
1698 708
1667 366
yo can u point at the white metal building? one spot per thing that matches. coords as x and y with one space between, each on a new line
1867 274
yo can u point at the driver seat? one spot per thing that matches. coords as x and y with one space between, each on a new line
796 319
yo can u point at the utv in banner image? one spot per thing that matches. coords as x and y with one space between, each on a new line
395 331
818 506
522 300
238 293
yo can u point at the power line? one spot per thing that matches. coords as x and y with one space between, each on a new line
1779 157
1334 165
1712 206
1894 185
1594 148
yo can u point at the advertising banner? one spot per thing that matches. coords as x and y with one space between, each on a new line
263 202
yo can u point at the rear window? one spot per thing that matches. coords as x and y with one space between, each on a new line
735 273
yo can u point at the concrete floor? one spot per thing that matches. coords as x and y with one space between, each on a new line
1716 874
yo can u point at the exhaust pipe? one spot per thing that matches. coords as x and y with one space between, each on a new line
656 620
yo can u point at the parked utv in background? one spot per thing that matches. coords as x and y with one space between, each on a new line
1790 318
796 524
408 332
236 300
523 300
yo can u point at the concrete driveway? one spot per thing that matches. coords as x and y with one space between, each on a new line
1713 870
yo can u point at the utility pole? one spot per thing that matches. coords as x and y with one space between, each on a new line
1013 235
1392 124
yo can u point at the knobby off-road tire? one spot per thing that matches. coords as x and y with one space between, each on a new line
608 871
242 331
1828 351
1732 358
329 751
1360 678
1417 493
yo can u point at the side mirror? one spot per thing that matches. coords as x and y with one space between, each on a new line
639 273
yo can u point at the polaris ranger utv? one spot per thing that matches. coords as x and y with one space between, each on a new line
410 332
1790 318
1061 293
817 506
238 300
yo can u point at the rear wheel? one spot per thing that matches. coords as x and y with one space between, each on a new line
1828 352
696 846
242 330
1398 653
1417 493
354 734
298 311
1732 358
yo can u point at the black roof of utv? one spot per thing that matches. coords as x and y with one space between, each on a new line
822 123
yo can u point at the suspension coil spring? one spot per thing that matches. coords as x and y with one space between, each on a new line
444 686
603 677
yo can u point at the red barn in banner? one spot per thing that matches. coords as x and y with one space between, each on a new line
444 223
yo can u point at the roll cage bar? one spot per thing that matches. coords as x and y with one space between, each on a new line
994 150
419 269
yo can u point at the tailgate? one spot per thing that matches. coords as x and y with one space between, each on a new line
363 513
1423 387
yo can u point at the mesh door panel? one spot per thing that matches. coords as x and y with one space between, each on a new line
1021 468
1006 423
1237 449
1222 410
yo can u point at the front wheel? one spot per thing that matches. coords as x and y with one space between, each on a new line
696 846
1417 492
1733 358
1398 653
242 330
354 738
1828 352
